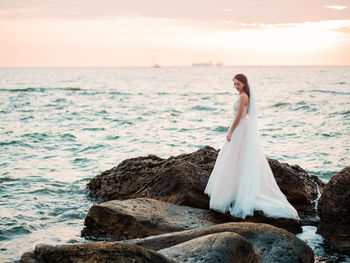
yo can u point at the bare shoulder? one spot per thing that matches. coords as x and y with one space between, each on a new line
243 99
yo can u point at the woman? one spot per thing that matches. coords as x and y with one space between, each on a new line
242 180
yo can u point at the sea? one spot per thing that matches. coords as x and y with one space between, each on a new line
61 126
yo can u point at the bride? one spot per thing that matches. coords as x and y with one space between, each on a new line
241 180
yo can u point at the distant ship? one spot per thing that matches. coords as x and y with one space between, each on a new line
154 64
208 64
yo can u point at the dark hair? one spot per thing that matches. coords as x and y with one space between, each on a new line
242 78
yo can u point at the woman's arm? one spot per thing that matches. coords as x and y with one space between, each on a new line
242 100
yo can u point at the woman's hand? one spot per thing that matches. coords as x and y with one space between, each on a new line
228 136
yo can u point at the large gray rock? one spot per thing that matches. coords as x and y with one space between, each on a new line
334 209
219 247
271 244
182 180
143 217
93 252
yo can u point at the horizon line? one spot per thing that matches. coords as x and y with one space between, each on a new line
186 66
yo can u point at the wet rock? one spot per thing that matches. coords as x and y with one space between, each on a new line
301 189
334 210
143 217
271 244
182 180
93 252
178 180
218 247
292 225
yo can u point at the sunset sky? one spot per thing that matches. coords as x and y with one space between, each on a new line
39 33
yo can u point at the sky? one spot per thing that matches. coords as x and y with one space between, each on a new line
52 33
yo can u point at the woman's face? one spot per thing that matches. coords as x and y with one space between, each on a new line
238 85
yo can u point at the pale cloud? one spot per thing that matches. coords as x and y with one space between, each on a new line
343 30
249 11
337 7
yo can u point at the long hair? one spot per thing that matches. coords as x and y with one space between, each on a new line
242 78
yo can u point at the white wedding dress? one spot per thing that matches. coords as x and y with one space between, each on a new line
241 180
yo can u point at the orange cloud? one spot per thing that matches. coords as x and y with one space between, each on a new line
344 30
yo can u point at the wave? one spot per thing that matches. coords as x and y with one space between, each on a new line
279 104
23 90
334 134
71 88
340 113
14 231
222 93
201 94
323 174
187 129
40 89
68 136
173 110
202 108
9 179
36 136
43 191
15 143
71 215
121 122
339 83
110 137
330 92
92 147
220 129
94 129
83 162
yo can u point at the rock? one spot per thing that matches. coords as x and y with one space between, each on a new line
334 210
178 180
143 217
270 243
182 180
93 252
300 188
292 225
219 247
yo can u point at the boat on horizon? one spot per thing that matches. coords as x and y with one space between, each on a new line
202 64
154 64
208 64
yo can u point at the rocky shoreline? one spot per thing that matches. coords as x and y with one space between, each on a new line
334 209
155 210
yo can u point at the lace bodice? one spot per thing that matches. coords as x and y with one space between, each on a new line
235 109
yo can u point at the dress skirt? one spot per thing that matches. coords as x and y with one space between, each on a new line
231 189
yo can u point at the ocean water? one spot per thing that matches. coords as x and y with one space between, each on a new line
61 126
